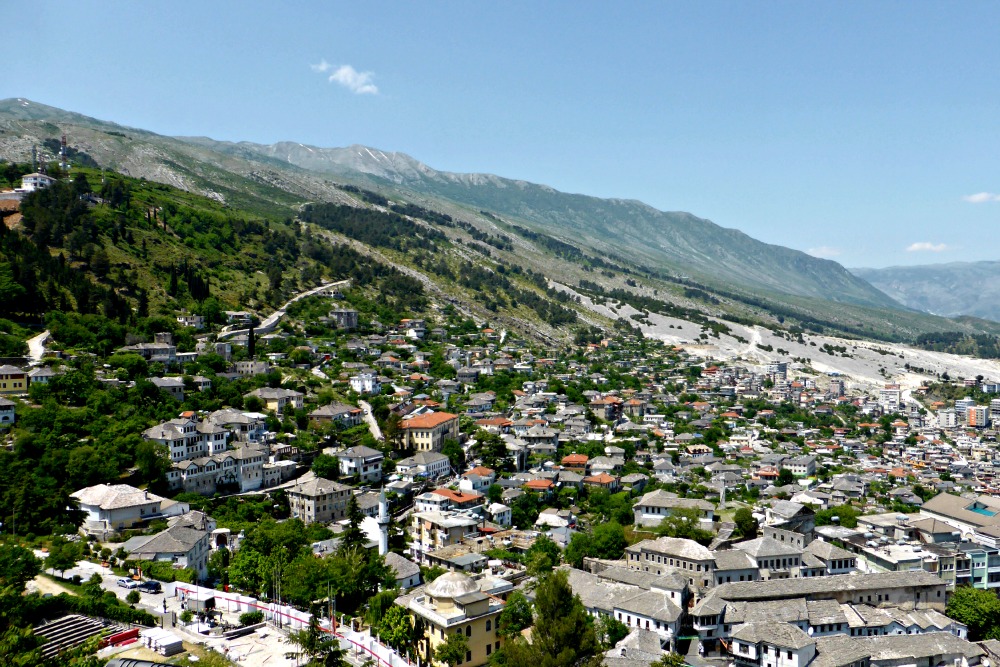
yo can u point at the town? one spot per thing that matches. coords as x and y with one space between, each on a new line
418 487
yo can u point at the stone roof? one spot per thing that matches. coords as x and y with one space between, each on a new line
674 546
827 551
117 496
733 559
840 650
652 604
403 567
178 540
782 635
809 586
767 547
317 486
661 498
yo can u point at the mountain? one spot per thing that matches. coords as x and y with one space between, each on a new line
679 242
615 249
952 289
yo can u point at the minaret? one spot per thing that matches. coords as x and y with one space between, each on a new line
383 524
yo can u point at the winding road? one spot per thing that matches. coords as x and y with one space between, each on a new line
271 321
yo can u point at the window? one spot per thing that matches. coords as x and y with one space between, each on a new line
488 624
468 631
489 649
468 656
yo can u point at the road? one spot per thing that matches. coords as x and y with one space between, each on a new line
370 418
271 321
36 346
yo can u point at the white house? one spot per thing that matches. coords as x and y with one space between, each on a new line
772 644
362 461
112 508
366 383
36 181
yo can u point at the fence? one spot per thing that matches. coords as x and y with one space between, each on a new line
288 616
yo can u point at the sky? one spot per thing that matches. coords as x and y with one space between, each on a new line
866 133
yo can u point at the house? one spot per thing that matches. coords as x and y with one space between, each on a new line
194 321
172 386
13 380
366 383
362 461
654 506
252 367
40 375
36 181
184 438
317 500
346 318
241 469
407 572
340 413
424 464
478 479
577 462
602 481
186 543
428 431
113 508
277 400
453 603
499 514
433 530
6 412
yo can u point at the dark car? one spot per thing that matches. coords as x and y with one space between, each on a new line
150 587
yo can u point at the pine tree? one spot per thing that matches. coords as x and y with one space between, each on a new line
352 537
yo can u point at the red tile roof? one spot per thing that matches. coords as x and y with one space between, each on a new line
428 420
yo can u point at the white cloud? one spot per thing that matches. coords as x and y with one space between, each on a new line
981 198
924 246
359 83
824 251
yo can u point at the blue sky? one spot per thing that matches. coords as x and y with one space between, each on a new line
862 132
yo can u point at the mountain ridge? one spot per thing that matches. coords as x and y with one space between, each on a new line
948 289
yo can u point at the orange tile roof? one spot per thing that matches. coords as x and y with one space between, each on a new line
603 478
458 497
544 484
429 420
575 458
482 471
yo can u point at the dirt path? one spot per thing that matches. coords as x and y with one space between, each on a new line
44 585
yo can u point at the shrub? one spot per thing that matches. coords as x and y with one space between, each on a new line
252 618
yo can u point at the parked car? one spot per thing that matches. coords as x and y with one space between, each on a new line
125 582
150 587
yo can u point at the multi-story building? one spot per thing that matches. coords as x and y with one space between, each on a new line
428 431
362 461
366 383
241 468
113 508
978 416
433 530
317 500
454 604
653 507
185 543
340 413
13 380
185 438
424 464
7 415
278 400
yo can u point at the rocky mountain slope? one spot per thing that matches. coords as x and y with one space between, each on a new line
692 266
676 241
952 289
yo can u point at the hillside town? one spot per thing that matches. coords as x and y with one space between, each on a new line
723 513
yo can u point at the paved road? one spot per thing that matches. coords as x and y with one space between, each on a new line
271 321
370 418
36 346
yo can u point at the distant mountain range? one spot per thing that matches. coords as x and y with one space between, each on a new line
678 256
953 289
676 241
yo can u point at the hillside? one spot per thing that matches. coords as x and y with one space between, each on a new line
477 230
952 289
676 241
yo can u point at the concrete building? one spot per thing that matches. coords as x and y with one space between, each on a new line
654 506
451 604
7 416
362 461
317 500
428 431
13 381
186 543
112 508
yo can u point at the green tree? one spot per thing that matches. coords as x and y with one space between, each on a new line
18 566
746 525
563 634
133 597
515 617
979 609
395 628
63 554
684 523
785 477
352 537
452 651
610 631
670 660
319 648
454 452
609 541
326 466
